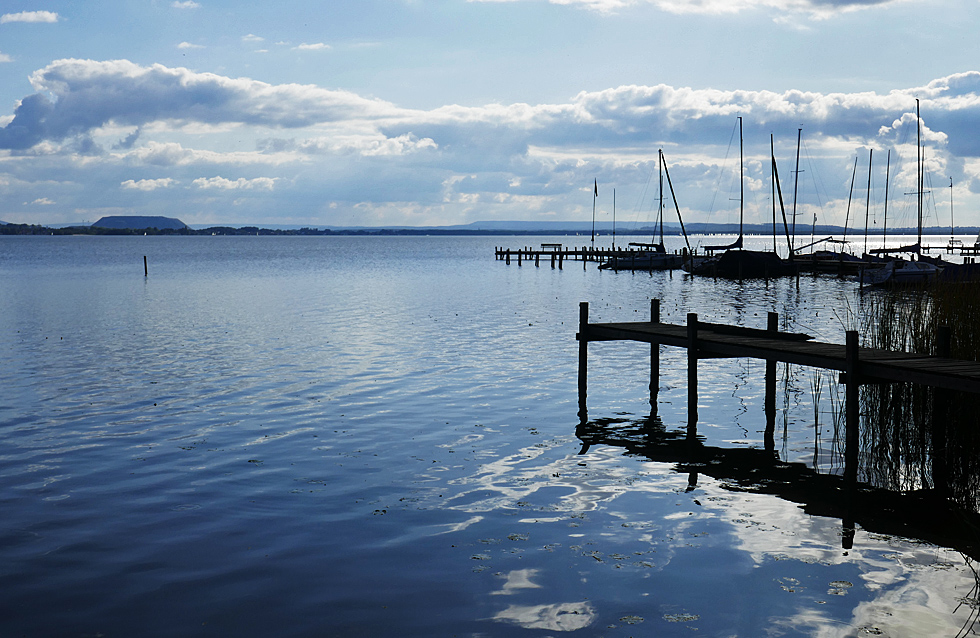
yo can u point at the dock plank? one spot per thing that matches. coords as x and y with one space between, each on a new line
873 364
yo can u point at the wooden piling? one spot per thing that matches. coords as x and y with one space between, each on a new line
772 325
146 271
692 374
851 406
583 356
654 359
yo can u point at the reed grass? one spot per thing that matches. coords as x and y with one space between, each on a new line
916 437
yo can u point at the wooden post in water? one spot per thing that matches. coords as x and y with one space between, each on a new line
583 357
146 271
692 374
519 254
772 325
941 407
561 257
508 256
537 260
851 441
654 359
851 406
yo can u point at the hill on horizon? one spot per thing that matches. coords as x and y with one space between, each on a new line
140 222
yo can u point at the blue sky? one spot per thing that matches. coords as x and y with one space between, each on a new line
433 112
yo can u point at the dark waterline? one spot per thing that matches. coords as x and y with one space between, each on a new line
318 436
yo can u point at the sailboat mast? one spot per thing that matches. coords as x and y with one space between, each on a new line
867 203
614 220
884 225
772 176
918 148
951 227
676 207
595 195
847 217
778 191
796 175
660 210
741 180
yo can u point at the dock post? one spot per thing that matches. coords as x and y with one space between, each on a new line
561 257
944 340
692 374
519 254
508 256
583 357
654 358
537 260
770 403
552 260
941 409
146 271
851 407
851 439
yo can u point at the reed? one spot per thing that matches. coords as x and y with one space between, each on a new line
915 437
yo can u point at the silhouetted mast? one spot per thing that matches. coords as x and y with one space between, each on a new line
796 175
867 203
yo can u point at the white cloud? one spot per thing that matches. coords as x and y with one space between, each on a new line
110 120
814 8
148 185
29 16
5 58
318 46
252 38
42 201
187 4
220 183
77 96
188 45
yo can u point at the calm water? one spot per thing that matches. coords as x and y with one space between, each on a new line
345 436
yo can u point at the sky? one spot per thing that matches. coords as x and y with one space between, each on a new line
444 112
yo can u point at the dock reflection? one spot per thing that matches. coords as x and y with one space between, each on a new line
923 514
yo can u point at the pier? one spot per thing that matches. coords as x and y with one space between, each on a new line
557 254
857 365
838 496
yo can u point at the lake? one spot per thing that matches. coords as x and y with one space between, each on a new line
378 436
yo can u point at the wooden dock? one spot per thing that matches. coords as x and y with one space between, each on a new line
557 254
858 365
872 365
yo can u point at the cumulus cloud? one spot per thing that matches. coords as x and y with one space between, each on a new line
42 201
189 45
530 158
148 185
76 96
317 46
29 16
251 37
187 4
815 8
220 183
5 58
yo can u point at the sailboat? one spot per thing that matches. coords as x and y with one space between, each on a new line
898 271
736 262
649 256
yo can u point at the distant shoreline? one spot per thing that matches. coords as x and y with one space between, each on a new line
693 229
